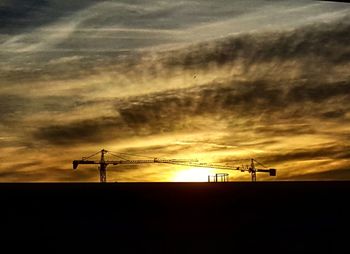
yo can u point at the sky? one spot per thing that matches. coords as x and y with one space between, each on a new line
219 81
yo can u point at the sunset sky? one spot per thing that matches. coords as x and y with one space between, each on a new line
218 81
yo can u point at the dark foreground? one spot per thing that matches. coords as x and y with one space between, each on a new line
262 217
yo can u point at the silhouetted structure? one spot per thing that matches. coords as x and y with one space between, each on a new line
103 163
219 177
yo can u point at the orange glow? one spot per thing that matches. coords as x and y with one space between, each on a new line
193 175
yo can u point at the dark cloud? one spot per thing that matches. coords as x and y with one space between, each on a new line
333 151
14 13
328 175
334 114
94 130
318 93
20 15
14 107
9 104
313 49
155 13
176 110
318 45
245 99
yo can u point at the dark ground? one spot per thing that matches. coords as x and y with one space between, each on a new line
235 217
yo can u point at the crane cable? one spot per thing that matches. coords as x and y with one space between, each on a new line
115 154
88 157
120 157
136 155
260 163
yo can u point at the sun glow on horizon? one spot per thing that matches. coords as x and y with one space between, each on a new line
193 175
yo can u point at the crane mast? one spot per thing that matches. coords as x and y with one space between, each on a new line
103 167
103 163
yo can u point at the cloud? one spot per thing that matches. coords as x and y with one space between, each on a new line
173 110
14 107
18 12
317 51
179 110
101 32
330 151
328 175
81 131
319 44
87 78
30 13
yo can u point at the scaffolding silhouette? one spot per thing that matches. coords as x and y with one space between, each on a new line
218 177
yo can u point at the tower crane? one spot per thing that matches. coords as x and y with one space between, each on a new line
103 163
250 169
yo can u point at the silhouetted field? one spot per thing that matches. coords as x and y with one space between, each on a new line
265 217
